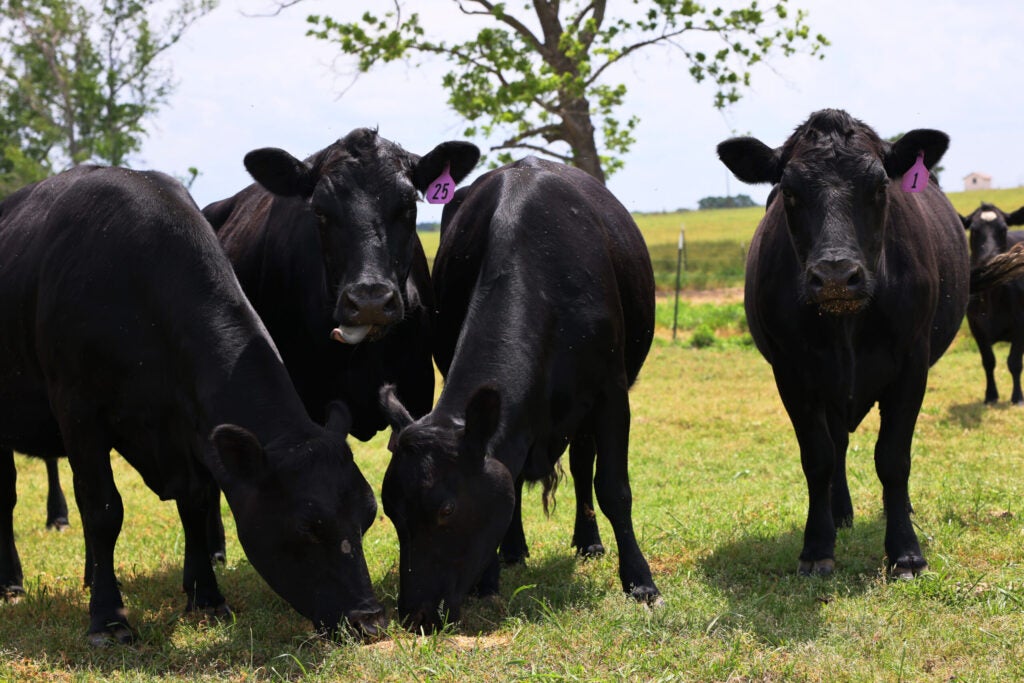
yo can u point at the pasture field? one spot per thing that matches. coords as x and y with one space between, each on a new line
719 507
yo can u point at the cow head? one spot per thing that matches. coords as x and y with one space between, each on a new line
987 228
361 194
301 513
834 179
450 503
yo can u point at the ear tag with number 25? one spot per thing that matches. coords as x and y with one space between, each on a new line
916 179
442 189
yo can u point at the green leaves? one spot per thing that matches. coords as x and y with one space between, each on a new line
78 79
543 91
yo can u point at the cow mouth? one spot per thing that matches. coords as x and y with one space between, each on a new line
353 334
841 305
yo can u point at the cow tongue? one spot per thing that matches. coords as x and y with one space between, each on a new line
350 334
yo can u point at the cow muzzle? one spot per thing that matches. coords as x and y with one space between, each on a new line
366 625
838 287
366 310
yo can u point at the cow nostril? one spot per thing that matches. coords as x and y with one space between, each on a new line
855 279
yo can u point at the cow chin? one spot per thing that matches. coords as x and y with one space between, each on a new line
841 307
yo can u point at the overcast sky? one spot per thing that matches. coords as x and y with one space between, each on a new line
248 82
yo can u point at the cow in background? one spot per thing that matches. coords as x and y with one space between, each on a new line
327 252
996 314
854 288
545 298
122 326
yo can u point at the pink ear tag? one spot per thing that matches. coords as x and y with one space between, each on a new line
442 189
916 179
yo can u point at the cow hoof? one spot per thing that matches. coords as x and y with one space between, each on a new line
12 593
59 524
514 559
817 568
115 634
647 595
908 566
592 551
222 611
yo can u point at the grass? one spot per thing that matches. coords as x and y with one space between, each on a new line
719 506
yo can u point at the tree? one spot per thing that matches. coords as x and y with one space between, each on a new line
78 78
730 202
541 80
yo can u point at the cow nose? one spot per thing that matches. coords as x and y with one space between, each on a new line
370 304
830 279
367 624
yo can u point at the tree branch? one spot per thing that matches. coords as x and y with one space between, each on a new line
518 26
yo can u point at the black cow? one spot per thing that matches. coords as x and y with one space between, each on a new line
545 314
326 249
854 288
997 314
122 326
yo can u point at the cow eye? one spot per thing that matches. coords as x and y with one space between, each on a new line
445 511
310 530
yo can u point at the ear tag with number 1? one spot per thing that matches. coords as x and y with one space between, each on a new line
442 189
916 179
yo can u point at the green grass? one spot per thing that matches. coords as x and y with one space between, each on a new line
719 507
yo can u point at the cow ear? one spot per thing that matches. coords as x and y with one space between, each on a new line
966 220
902 154
339 418
459 157
751 160
237 456
280 173
482 415
398 417
1015 218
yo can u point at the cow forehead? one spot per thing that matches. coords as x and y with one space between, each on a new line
833 170
988 215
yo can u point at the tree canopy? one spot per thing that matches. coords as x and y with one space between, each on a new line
537 73
78 78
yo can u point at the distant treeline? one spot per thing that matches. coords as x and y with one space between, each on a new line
738 202
428 227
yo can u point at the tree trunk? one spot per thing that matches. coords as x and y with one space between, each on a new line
579 133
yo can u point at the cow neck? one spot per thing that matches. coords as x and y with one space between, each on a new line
495 349
245 383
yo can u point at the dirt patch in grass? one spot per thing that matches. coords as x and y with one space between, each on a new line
725 295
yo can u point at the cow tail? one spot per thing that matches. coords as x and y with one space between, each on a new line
551 482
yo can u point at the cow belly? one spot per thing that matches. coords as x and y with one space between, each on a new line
26 422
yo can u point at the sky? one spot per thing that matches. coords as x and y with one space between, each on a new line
245 82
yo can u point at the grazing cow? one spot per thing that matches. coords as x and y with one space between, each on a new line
122 326
545 314
854 288
327 252
996 314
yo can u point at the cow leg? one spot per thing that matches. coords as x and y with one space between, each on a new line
1014 363
585 535
611 482
818 461
513 546
489 582
198 579
56 504
842 506
988 362
215 530
10 564
102 512
898 412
